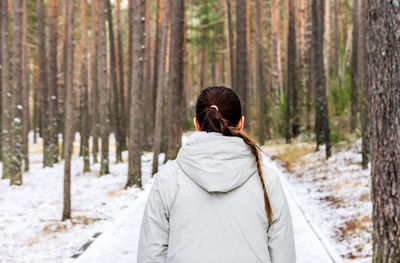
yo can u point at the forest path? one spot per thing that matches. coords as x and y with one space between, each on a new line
119 242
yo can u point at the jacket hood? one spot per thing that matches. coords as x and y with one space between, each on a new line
217 163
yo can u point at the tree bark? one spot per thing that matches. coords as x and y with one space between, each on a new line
43 80
94 90
116 98
290 71
354 68
84 86
321 110
176 97
6 95
363 76
17 108
260 80
121 82
276 73
25 91
53 85
103 88
158 124
384 82
230 37
136 106
241 54
69 108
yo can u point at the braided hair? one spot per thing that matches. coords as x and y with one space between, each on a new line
218 109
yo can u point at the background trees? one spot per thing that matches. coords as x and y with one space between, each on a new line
300 67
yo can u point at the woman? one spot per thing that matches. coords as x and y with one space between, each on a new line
217 202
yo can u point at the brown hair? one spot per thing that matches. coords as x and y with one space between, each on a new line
224 119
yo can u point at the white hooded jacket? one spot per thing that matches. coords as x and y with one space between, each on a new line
207 206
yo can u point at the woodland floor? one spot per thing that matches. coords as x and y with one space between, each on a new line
333 195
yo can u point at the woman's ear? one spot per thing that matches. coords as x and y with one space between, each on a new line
240 124
196 124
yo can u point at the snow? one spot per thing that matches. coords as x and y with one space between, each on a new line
30 216
335 195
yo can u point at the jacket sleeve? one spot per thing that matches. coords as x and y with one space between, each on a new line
280 234
154 233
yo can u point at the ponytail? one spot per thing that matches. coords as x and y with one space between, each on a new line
213 121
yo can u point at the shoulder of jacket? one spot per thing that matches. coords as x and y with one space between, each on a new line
168 174
271 174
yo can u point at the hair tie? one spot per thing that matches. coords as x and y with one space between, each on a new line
214 106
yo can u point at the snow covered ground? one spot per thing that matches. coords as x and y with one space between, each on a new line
334 193
30 215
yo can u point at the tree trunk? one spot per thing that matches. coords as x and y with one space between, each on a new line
290 71
17 108
321 110
121 82
230 35
241 54
43 80
260 70
335 38
69 108
6 91
363 76
158 123
176 98
25 92
116 97
136 106
84 86
103 88
53 85
328 43
384 82
354 69
94 90
276 79
148 87
157 46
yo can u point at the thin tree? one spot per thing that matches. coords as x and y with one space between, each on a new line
384 82
290 72
6 92
354 67
158 124
260 69
25 91
157 47
230 44
116 98
94 90
176 99
1 100
121 82
53 85
363 79
103 88
321 109
241 53
69 122
276 72
136 107
84 109
43 82
17 108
